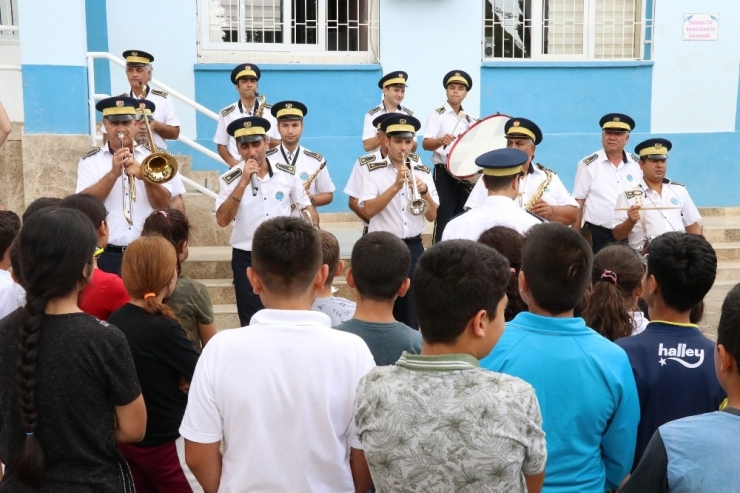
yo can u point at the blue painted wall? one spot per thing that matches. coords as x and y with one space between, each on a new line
52 111
337 98
97 40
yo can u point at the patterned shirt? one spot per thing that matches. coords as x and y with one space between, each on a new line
441 423
339 309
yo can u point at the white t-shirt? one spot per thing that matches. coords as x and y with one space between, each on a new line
12 296
280 393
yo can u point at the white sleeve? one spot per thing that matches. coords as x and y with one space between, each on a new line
477 195
582 182
354 184
202 420
368 131
169 113
87 174
429 182
221 137
432 128
225 189
689 212
298 194
370 189
324 184
620 216
558 190
177 187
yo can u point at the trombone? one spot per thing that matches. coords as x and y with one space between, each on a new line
417 205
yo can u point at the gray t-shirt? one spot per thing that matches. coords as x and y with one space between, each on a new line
387 341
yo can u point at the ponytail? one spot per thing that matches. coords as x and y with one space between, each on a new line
149 264
155 307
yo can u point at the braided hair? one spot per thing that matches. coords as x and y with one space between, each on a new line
55 248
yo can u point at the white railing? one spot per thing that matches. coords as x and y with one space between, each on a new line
93 97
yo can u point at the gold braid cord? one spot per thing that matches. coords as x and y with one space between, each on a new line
541 190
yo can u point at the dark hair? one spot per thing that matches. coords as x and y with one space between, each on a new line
497 183
453 281
329 254
508 242
172 224
380 264
728 331
15 262
557 264
10 224
697 313
617 271
286 254
89 205
38 204
684 266
56 248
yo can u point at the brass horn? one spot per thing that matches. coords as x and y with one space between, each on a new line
158 167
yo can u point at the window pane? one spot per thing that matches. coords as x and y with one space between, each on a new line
263 21
347 25
562 27
224 20
507 28
617 29
305 22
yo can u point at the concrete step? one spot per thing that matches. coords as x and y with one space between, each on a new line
721 229
719 211
226 316
728 271
727 252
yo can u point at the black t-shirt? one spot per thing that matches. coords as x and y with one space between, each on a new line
84 369
162 353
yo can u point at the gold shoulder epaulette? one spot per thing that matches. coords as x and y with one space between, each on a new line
414 157
635 157
467 117
232 175
421 167
671 182
630 194
590 159
268 106
159 93
123 94
368 158
374 110
286 167
546 170
228 110
159 149
270 152
374 166
440 110
315 155
91 152
408 111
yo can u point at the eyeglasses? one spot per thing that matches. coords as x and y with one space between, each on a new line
98 252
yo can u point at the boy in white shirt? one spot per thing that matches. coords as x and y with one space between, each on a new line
11 294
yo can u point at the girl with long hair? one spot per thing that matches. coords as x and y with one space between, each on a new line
164 359
105 293
68 387
508 242
611 308
190 301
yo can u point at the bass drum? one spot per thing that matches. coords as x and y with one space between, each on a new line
487 134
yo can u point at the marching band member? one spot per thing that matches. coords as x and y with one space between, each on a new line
540 189
602 177
104 173
245 78
278 188
394 90
388 189
501 171
308 164
443 126
656 204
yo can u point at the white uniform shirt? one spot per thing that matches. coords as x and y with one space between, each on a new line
555 194
164 112
661 221
12 295
306 163
234 112
496 210
354 183
395 218
369 131
282 388
443 121
599 182
278 190
92 168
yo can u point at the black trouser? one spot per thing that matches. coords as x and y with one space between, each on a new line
600 237
247 303
111 259
452 197
403 308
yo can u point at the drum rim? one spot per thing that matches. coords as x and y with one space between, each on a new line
459 138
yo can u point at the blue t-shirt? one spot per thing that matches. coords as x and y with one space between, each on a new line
673 366
586 393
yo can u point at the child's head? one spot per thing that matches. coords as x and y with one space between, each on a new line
286 256
556 262
38 204
149 269
508 242
461 285
330 254
93 208
173 226
380 266
615 286
10 224
681 269
728 338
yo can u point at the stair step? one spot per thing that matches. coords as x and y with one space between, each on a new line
728 271
727 252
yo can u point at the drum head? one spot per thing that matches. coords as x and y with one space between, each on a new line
485 135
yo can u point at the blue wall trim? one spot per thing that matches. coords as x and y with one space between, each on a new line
49 111
737 112
97 40
566 64
218 67
568 99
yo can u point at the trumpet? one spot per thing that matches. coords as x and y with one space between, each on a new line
128 183
417 205
157 167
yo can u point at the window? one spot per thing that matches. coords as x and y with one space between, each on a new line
288 31
563 29
8 20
